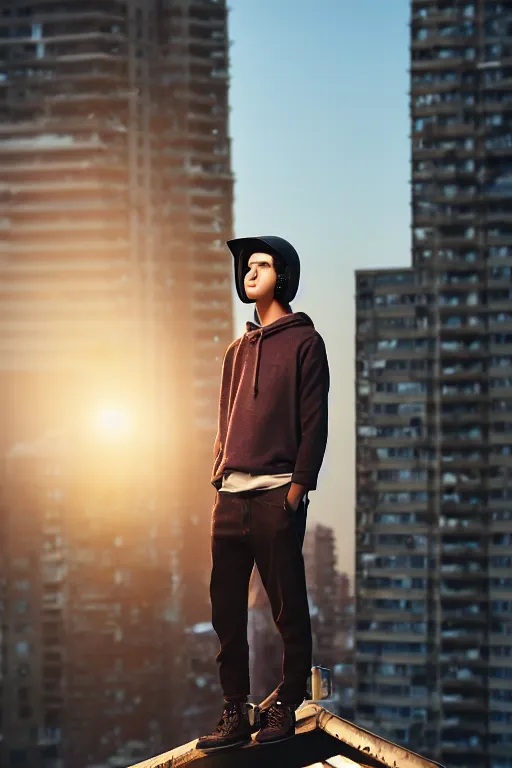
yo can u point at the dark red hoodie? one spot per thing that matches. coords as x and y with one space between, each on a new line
273 402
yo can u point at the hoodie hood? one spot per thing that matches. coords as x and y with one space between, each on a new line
286 321
255 334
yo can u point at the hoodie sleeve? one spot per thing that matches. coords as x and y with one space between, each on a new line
313 406
225 384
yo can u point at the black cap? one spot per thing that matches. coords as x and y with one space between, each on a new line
242 249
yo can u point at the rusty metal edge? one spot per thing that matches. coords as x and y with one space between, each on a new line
389 754
186 753
309 717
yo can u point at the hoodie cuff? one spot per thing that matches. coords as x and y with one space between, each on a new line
302 477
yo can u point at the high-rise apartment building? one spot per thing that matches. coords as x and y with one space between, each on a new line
115 295
115 200
331 615
89 642
323 590
434 412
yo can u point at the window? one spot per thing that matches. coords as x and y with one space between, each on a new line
501 338
500 252
399 432
448 30
501 738
409 344
448 53
499 515
501 561
421 34
18 757
500 317
501 584
500 273
22 648
504 141
402 475
501 361
402 387
403 540
403 497
492 52
390 409
500 695
393 278
502 383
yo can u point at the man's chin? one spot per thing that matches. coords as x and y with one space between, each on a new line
255 295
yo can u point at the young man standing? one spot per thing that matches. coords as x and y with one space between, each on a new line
269 448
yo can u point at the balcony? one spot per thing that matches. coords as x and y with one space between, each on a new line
463 327
454 610
453 63
220 76
453 550
432 13
456 702
440 175
207 22
460 587
113 10
48 737
47 142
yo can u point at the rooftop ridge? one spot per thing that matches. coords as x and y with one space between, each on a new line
321 737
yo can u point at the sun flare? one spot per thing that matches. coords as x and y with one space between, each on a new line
113 422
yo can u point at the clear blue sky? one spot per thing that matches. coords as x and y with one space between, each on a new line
320 126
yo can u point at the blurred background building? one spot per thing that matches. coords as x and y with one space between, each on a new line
325 585
434 412
87 606
331 610
115 311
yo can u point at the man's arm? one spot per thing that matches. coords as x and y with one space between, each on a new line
313 407
225 380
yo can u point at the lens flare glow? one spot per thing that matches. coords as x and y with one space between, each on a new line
113 422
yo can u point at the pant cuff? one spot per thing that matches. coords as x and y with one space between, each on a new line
236 698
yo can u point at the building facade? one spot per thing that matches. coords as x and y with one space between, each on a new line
115 202
331 609
323 582
115 289
86 602
434 412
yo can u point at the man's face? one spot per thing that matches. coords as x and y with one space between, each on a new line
260 278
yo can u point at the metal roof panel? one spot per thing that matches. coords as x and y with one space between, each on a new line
322 740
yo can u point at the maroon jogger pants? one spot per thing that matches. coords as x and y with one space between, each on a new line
261 528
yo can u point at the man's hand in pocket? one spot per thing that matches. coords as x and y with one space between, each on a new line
295 496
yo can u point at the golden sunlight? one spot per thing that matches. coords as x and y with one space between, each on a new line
113 422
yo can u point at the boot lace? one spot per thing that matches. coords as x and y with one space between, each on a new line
228 721
276 717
